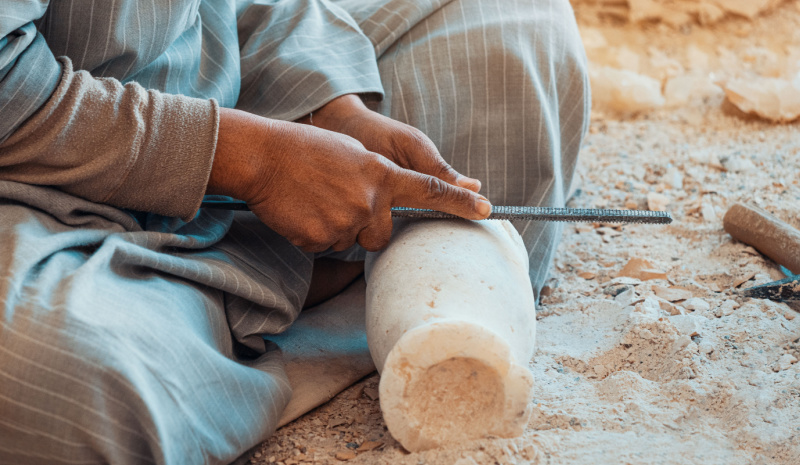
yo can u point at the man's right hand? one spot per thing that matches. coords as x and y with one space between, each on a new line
322 189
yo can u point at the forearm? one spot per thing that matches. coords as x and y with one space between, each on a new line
122 145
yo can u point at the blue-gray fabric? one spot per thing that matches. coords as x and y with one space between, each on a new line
130 338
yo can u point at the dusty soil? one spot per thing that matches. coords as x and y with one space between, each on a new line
675 370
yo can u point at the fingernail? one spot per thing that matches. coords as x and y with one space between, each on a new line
483 207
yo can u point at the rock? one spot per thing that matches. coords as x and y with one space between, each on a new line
371 392
697 59
707 210
696 304
747 8
339 421
625 280
344 455
649 306
662 66
681 343
587 275
657 202
743 278
626 297
785 362
616 289
774 99
593 39
671 308
624 58
688 325
687 90
624 91
708 13
738 164
672 294
600 370
674 177
369 445
726 308
705 347
644 10
642 269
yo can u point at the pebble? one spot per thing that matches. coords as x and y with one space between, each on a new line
680 343
372 393
615 289
696 304
738 164
674 177
369 445
625 280
688 325
649 306
600 370
743 278
705 347
344 455
785 362
626 297
726 308
639 268
707 209
657 202
672 294
671 308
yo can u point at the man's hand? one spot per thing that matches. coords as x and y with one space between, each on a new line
405 145
322 189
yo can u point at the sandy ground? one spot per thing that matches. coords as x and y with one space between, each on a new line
621 375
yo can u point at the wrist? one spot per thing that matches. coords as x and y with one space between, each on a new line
235 171
335 113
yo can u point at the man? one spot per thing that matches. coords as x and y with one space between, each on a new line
132 322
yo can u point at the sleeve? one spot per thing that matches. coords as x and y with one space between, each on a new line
94 137
297 55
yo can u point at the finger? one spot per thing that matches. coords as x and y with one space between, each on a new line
344 244
417 190
315 247
423 156
376 236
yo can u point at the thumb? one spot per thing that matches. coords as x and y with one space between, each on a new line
418 190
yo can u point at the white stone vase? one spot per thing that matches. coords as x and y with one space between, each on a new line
451 327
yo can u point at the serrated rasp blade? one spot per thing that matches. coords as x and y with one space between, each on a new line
511 213
500 212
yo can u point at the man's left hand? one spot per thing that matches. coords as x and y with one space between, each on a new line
404 145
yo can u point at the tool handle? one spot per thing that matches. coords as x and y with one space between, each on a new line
769 235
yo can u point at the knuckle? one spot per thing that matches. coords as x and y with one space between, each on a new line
378 236
371 245
435 188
